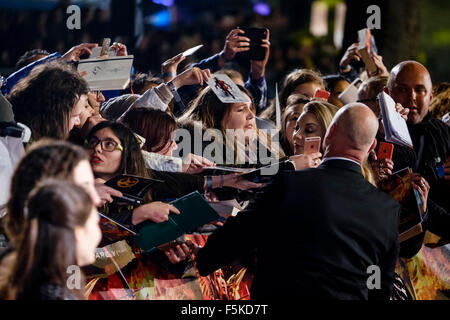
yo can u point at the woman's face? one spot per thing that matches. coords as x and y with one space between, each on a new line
307 126
291 121
82 175
105 163
95 99
170 146
241 117
76 112
308 89
87 239
85 115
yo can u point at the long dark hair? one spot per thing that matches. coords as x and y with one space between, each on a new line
55 208
44 99
155 126
132 161
290 83
45 159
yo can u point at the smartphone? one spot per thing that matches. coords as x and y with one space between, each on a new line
105 46
385 150
256 52
322 94
311 145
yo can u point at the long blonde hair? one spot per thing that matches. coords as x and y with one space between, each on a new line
211 112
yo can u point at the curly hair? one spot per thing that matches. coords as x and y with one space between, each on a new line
440 105
44 99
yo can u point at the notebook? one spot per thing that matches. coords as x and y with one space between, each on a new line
111 73
395 128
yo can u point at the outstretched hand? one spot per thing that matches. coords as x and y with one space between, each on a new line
350 54
181 251
191 76
171 65
75 52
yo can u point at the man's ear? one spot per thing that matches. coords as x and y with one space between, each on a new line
328 135
374 144
431 97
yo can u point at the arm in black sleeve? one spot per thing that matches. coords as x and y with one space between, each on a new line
240 235
438 221
387 269
176 184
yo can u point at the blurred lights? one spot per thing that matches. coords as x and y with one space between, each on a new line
160 19
166 3
262 8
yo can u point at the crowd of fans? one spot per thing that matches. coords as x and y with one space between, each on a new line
80 139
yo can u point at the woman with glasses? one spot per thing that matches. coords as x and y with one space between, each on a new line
115 150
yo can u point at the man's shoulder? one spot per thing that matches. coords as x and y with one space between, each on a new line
434 124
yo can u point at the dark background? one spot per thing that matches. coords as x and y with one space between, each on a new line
410 29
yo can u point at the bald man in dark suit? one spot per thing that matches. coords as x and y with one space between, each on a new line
322 233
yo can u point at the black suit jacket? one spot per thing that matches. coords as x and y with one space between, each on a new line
315 232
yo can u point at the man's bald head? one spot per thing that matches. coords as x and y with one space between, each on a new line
352 131
410 85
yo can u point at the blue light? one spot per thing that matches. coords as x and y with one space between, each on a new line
261 8
160 19
166 3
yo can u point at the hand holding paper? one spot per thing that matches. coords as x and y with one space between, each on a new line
155 211
170 66
75 52
191 76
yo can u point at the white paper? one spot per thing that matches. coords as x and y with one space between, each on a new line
190 51
107 74
395 128
225 89
277 107
226 208
350 94
230 169
96 53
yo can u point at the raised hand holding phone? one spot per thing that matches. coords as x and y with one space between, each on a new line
385 150
312 145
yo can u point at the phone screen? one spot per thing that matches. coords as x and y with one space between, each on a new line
256 52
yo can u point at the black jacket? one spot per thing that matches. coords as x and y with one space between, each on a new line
438 219
323 226
431 140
